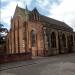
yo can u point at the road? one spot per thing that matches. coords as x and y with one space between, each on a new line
54 65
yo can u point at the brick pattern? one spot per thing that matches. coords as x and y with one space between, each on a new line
37 27
15 57
19 38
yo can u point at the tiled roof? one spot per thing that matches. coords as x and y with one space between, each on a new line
49 22
55 23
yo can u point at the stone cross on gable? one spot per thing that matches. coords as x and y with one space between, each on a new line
26 14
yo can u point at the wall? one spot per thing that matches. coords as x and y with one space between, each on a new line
15 57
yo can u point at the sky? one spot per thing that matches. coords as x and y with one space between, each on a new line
63 10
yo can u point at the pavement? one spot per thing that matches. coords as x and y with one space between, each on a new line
11 65
54 65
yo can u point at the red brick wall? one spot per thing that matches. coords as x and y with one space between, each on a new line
37 27
15 57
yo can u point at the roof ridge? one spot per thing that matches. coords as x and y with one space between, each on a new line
49 20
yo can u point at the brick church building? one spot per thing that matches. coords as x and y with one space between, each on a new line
43 36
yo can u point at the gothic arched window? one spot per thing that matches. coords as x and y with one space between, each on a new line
74 37
33 38
53 40
64 40
71 40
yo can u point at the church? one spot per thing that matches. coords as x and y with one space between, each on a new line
43 36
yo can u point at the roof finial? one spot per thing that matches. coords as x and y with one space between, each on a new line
11 17
26 7
17 4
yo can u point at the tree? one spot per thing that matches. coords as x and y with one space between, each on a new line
3 32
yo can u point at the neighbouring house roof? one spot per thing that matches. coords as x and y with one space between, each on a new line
49 22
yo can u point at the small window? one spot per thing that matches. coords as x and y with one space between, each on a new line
33 38
64 40
74 37
71 40
23 43
53 40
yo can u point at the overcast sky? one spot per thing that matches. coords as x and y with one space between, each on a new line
63 10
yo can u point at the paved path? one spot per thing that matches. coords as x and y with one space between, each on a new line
7 66
55 65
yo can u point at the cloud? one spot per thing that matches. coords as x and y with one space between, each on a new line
42 3
65 11
8 10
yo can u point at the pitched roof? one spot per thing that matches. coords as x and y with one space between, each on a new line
55 23
49 22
